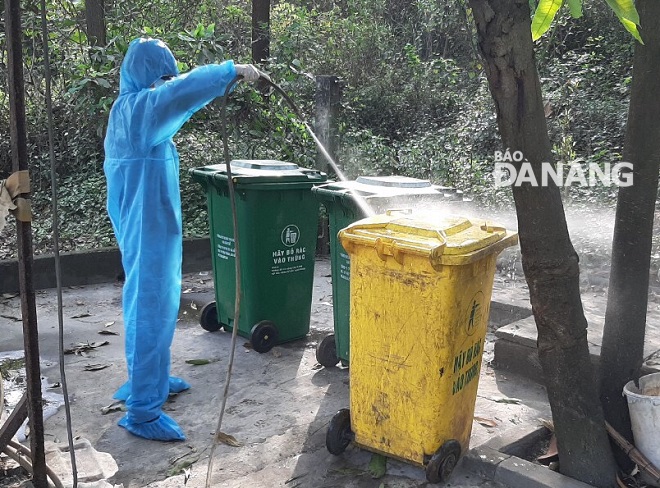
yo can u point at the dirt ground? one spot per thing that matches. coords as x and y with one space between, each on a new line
279 406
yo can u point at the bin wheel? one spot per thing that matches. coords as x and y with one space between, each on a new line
339 434
209 317
263 336
326 352
443 462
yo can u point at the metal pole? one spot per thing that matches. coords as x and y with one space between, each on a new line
19 158
328 99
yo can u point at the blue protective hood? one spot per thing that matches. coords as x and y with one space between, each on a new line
145 62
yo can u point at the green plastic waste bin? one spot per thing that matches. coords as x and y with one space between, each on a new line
278 227
345 202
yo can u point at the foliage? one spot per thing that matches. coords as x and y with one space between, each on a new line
415 101
547 9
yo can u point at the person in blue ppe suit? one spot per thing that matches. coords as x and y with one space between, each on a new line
142 172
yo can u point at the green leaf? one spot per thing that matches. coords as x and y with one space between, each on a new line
632 28
199 31
624 9
102 82
575 7
79 37
543 17
377 466
628 15
198 362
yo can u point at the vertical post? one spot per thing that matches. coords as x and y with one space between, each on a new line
260 30
95 21
19 158
328 98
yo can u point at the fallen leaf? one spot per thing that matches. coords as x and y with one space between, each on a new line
81 347
512 401
108 324
295 478
548 424
95 367
80 303
277 353
108 332
81 315
230 440
9 295
485 421
113 407
180 468
377 466
247 345
198 362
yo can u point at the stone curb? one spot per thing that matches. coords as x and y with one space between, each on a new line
498 461
94 266
515 472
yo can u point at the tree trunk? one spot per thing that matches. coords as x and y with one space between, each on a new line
95 20
549 259
625 319
260 30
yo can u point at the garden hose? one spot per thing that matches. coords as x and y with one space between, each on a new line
232 202
237 261
56 242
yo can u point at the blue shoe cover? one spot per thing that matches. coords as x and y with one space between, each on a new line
164 428
177 385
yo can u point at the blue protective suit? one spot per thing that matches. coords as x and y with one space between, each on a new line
144 204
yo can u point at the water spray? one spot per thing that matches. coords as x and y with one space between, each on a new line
360 200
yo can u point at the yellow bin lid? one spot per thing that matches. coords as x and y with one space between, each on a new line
444 239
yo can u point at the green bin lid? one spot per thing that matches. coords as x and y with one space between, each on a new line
393 181
258 171
386 190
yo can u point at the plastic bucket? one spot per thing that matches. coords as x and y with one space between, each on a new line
644 407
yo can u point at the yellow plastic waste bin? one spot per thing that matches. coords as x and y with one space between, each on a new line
420 299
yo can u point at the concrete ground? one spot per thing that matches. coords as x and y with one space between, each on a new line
279 405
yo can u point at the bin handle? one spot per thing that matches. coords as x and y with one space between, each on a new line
314 175
397 249
492 228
